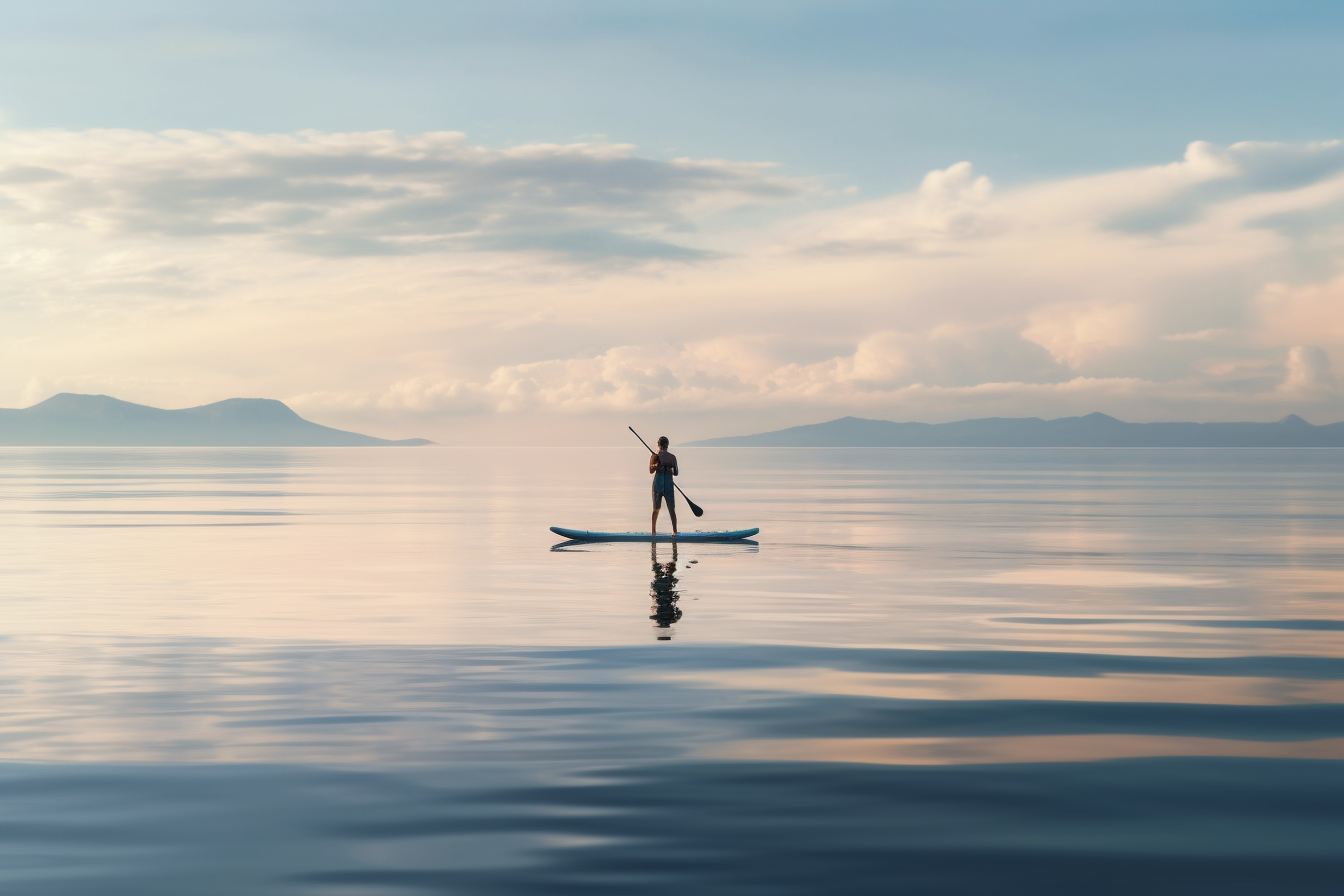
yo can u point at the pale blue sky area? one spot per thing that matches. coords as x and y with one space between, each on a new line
874 94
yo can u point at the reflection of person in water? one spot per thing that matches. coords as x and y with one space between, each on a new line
663 590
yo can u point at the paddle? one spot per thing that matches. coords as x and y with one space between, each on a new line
695 508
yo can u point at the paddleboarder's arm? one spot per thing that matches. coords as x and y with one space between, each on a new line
653 463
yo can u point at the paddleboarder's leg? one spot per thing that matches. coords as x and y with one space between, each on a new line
672 511
657 504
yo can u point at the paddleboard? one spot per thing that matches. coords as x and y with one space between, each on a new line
682 538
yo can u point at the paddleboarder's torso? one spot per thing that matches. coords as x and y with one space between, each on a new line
663 466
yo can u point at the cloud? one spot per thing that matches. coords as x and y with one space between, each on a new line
1074 333
1309 371
887 372
1211 175
1207 335
374 193
1311 312
424 285
952 201
29 174
950 206
593 245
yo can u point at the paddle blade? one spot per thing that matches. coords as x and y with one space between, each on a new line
695 508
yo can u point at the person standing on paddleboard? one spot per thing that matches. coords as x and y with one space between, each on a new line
663 466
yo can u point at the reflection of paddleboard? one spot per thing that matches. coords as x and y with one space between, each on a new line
585 535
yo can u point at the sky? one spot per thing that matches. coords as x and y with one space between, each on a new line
527 222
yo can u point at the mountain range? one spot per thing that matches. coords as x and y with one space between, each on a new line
1091 431
70 419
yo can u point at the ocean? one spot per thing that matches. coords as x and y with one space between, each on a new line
375 671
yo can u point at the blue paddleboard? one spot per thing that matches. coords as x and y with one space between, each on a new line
585 535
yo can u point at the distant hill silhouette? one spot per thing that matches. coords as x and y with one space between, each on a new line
1092 431
70 419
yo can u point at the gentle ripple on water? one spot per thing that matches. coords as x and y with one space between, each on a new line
374 671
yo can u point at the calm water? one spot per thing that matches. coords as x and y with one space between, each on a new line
374 671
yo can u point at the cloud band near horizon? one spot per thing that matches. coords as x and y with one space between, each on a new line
421 280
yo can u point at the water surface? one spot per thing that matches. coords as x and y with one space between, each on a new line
373 671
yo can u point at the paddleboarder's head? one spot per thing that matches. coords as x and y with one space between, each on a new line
662 442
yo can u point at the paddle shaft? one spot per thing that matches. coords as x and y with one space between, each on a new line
695 508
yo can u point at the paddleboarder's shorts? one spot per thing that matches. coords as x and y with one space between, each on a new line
658 498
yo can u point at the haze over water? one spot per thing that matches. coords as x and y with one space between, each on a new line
935 671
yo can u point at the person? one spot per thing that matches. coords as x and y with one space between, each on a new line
663 466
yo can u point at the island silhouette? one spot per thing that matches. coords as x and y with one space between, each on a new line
101 420
1092 431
